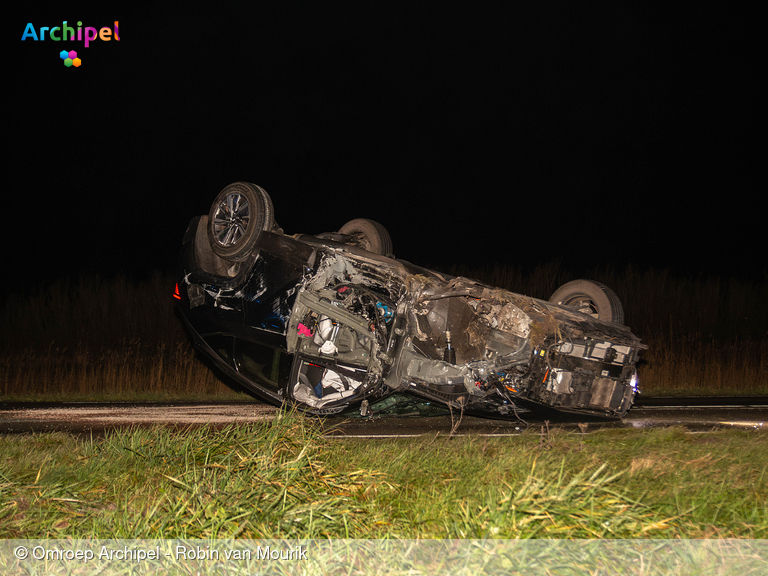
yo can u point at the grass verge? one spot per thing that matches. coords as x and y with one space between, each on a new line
285 480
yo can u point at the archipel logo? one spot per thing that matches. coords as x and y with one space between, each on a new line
67 34
70 58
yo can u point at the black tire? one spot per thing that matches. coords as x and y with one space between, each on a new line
592 298
368 235
238 216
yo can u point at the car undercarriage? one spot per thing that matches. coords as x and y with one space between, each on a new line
326 324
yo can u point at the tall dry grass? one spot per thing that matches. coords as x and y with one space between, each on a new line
95 336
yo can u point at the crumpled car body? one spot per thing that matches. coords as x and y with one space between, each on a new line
322 324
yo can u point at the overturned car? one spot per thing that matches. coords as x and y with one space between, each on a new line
333 322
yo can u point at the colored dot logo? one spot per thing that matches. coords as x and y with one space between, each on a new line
70 58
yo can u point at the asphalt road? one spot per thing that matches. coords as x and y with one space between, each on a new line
90 417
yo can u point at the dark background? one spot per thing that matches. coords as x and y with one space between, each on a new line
598 135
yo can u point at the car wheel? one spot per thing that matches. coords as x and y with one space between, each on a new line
368 235
592 298
238 216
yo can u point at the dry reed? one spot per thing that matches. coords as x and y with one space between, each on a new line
95 336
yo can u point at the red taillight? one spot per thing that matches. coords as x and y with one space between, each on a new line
176 293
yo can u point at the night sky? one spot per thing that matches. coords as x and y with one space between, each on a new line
597 135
